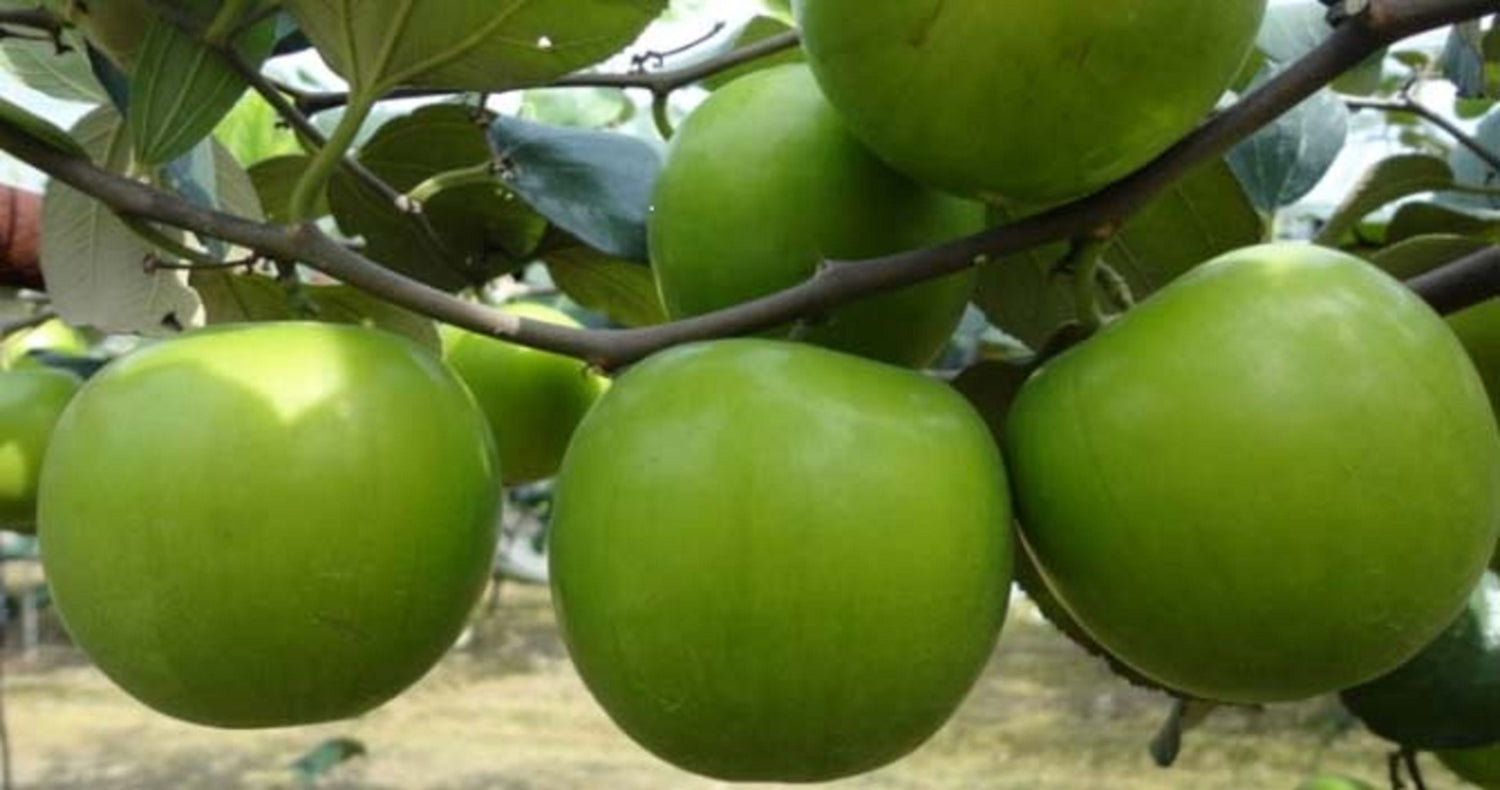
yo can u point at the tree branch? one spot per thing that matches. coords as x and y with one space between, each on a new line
660 83
1407 104
840 282
1462 283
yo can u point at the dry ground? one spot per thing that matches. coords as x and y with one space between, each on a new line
507 713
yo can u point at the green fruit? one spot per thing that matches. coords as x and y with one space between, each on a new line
1479 767
1448 695
1029 102
1278 477
53 335
1334 783
774 562
763 183
269 524
532 399
30 402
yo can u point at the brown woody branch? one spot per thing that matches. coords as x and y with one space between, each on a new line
1407 104
836 283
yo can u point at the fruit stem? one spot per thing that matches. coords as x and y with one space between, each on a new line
1083 260
659 115
483 173
320 169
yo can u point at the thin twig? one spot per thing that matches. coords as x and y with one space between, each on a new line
1407 104
34 18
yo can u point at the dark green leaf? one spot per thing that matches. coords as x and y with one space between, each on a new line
274 181
1425 219
1470 170
623 291
595 185
1203 216
181 88
1389 180
481 45
1462 60
39 128
1283 161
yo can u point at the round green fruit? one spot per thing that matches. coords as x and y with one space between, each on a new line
269 524
1448 695
1479 767
53 335
774 562
31 401
1028 102
533 400
763 183
1278 477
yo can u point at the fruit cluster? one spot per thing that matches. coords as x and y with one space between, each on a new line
788 561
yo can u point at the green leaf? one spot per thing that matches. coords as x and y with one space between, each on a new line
1470 170
1462 61
481 45
1425 219
595 185
94 264
341 304
480 230
230 298
181 88
62 75
274 180
623 291
39 128
1283 161
253 132
1389 180
761 27
1420 254
1204 215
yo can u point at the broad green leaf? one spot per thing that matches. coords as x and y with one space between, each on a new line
1462 60
482 45
253 132
116 27
479 230
623 291
595 185
234 298
341 304
1470 170
761 27
1283 161
39 128
1426 219
274 180
62 75
1420 254
181 88
1204 215
94 264
1292 29
1389 180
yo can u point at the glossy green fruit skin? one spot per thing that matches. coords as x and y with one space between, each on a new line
1448 695
270 524
31 401
1479 767
763 182
774 562
54 335
1024 101
532 400
1278 477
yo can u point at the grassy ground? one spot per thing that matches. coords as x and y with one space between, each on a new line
507 713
